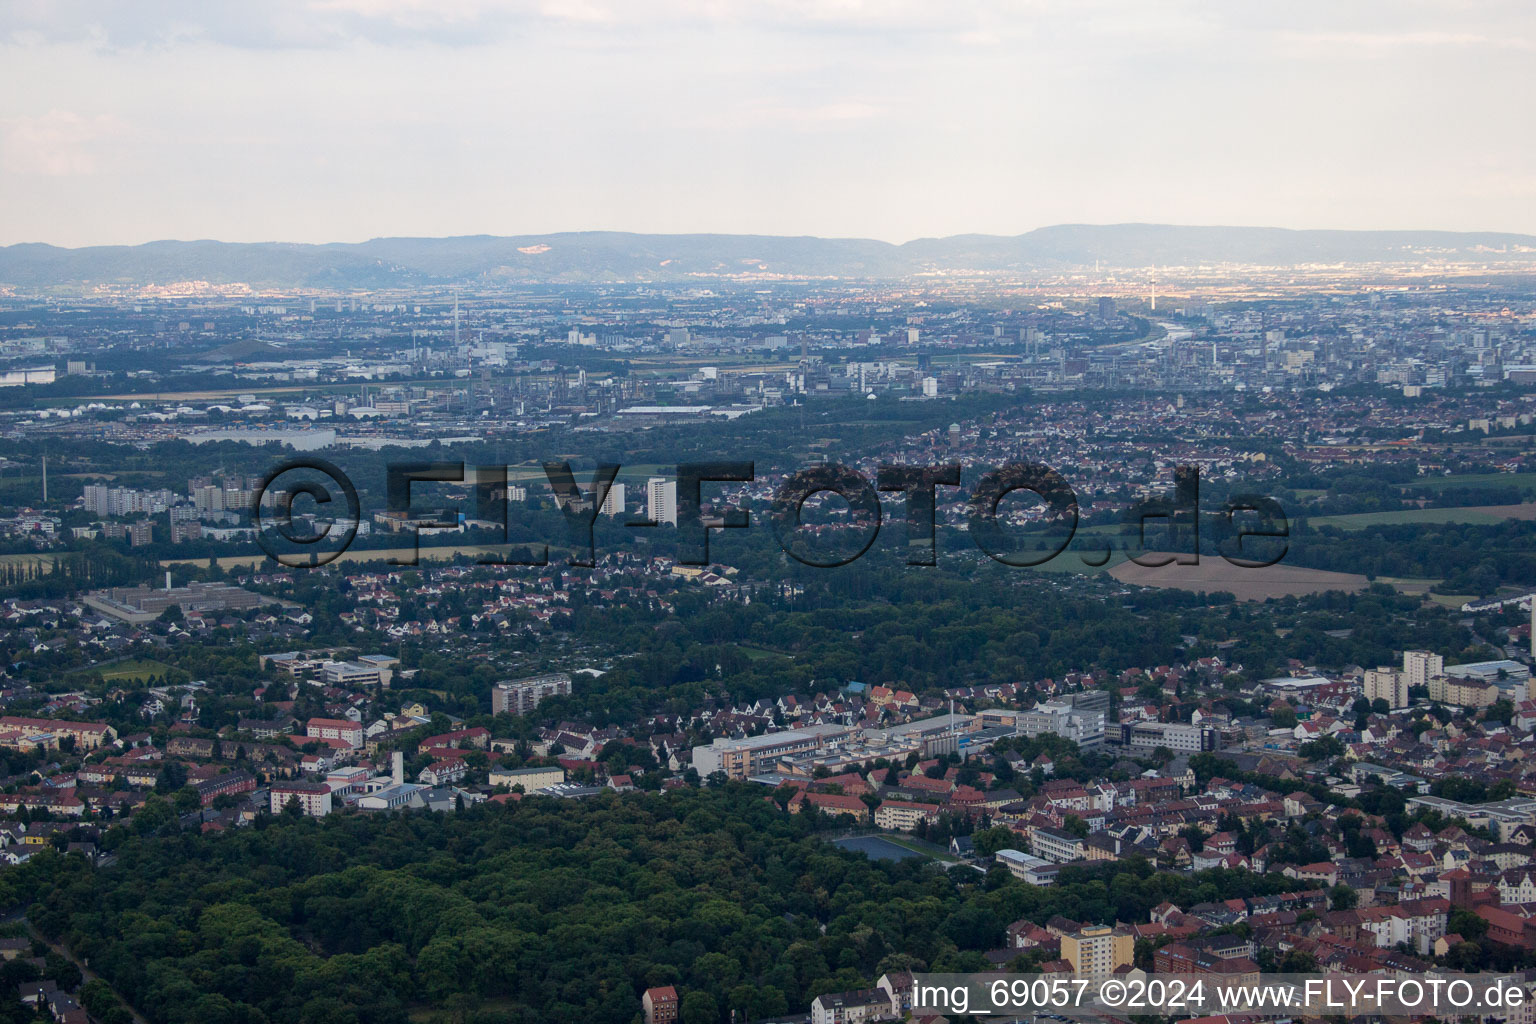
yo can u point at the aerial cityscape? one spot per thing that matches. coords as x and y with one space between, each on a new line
679 612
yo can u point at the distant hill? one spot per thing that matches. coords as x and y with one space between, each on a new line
599 256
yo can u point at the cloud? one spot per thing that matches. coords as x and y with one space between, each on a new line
115 25
819 115
56 144
323 119
1384 44
1331 30
131 25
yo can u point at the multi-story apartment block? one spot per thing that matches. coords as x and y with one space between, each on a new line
342 729
1097 952
903 815
520 696
314 798
1420 666
1387 684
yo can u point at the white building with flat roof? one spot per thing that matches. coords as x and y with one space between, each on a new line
520 696
1034 870
753 755
1490 671
531 779
1387 684
661 500
1420 666
1062 718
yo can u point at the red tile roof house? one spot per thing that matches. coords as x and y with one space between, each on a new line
335 729
441 773
479 738
830 803
87 735
921 783
851 783
660 1005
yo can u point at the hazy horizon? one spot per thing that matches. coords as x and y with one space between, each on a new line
343 120
760 234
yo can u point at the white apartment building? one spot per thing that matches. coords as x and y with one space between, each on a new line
348 732
531 779
1387 684
613 502
661 500
314 797
1096 952
520 696
903 815
1420 666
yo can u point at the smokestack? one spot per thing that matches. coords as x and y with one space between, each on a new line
398 772
1533 625
45 479
167 581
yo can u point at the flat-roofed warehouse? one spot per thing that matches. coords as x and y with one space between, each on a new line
741 758
145 604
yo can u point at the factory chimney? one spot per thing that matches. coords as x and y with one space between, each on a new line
398 769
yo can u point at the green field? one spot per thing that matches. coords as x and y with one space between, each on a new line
1525 481
631 474
1410 585
134 671
1362 520
43 558
1452 600
1071 560
759 653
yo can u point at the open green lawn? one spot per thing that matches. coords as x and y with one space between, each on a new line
1071 560
1408 584
1525 481
759 653
43 558
1361 520
632 474
134 670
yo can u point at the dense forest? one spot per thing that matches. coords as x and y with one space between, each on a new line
541 911
1468 558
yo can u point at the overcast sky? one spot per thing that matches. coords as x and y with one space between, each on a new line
341 120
